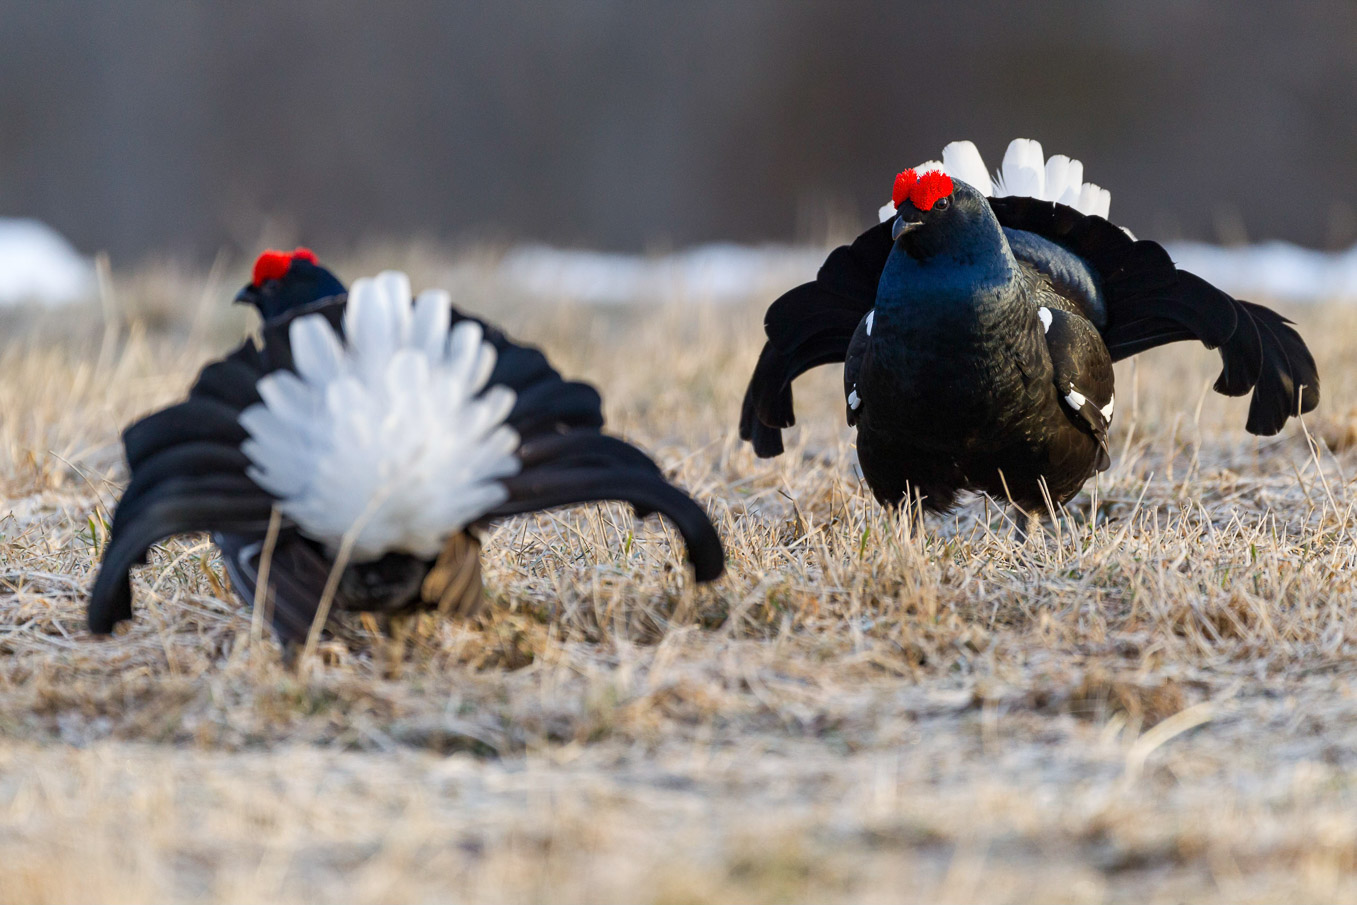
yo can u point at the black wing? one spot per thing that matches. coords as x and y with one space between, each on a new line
809 326
859 350
1150 302
1077 286
1083 375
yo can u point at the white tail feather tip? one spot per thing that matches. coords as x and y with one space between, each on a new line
1025 171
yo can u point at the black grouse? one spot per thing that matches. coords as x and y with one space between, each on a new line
978 324
384 433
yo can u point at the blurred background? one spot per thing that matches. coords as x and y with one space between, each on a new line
145 127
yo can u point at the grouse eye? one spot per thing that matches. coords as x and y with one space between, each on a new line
942 203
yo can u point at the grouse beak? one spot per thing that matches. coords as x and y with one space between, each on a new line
903 226
246 296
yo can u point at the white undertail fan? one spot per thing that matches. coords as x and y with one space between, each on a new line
1025 172
396 436
381 431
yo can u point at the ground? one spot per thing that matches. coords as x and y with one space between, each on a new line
1149 699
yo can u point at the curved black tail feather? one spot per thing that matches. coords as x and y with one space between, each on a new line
180 505
589 467
548 487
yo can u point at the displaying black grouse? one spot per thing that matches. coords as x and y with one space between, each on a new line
978 333
384 433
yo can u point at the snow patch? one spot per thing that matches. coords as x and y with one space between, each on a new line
718 273
727 273
1272 270
38 265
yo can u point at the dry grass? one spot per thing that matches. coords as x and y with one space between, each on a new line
1151 700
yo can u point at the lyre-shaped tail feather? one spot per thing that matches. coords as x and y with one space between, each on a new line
175 505
188 475
586 467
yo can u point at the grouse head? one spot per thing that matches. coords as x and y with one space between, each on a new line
936 214
948 245
285 281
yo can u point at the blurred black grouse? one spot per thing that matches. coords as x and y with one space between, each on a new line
385 433
978 333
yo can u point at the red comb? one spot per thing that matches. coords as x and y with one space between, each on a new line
274 265
903 183
271 265
931 186
922 191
